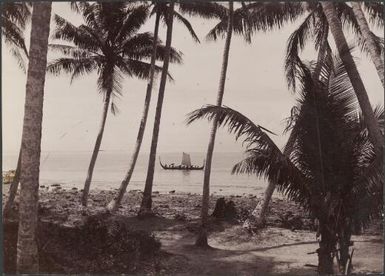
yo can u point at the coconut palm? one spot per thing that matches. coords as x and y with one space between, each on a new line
108 43
359 88
14 18
315 25
160 10
212 10
27 254
242 21
351 190
370 40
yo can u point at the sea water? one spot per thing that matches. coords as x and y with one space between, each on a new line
69 169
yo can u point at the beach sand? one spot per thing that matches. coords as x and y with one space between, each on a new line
279 248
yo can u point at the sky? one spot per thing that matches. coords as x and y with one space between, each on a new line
255 86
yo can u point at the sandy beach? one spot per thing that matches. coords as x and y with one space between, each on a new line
282 247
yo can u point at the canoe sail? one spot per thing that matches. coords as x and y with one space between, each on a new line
186 160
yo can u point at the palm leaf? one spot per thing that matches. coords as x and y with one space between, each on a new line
375 10
187 24
80 36
263 156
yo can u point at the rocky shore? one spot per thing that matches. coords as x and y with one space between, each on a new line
167 234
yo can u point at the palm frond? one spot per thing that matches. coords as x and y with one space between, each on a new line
272 15
275 167
74 66
71 51
140 46
207 10
13 35
263 156
375 10
20 58
139 69
19 13
379 43
187 24
134 19
296 43
347 17
77 35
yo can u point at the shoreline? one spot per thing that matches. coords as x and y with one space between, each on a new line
278 248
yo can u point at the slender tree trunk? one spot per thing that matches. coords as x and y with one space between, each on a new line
27 252
95 153
13 189
354 76
146 205
326 250
115 203
202 235
371 45
258 216
344 241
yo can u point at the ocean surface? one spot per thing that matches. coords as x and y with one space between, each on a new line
69 169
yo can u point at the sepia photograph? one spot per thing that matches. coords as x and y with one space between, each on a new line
192 137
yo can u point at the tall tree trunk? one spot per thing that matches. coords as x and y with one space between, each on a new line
27 252
202 235
258 216
115 203
95 153
13 188
354 76
370 43
146 205
326 250
344 242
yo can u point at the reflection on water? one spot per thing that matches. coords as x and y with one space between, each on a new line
185 173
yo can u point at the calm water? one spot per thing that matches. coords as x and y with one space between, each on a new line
69 169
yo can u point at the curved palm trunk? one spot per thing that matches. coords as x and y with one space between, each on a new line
27 252
374 51
95 153
354 76
13 188
258 216
145 208
202 235
115 203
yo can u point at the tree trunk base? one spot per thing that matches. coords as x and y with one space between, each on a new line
146 213
201 240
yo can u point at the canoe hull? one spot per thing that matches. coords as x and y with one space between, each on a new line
173 167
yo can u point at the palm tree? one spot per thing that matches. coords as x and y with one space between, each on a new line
14 18
370 40
316 25
243 21
27 254
160 11
13 188
351 190
359 88
202 236
146 204
206 10
110 44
